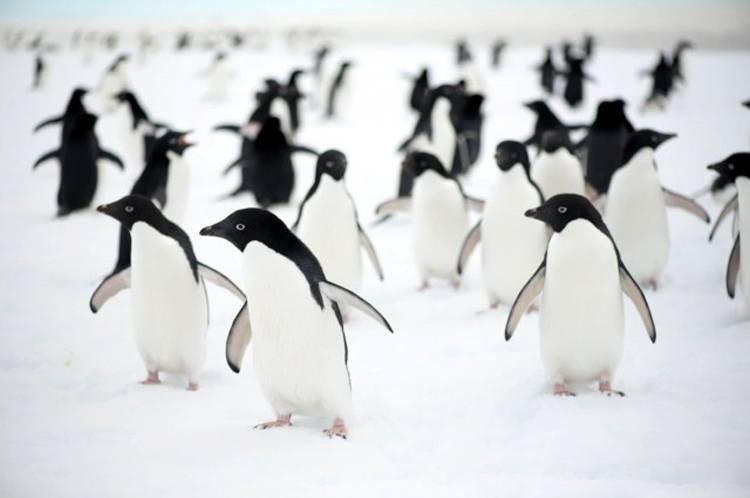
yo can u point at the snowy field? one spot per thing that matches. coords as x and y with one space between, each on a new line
444 407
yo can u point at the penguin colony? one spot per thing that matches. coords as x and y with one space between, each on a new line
575 218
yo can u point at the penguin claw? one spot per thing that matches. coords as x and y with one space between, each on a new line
337 429
613 392
284 421
562 390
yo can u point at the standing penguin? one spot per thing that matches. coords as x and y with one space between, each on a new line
78 155
663 76
40 72
636 208
439 205
169 302
292 95
737 169
546 120
320 70
574 79
142 124
506 266
677 66
327 223
300 354
581 281
557 169
337 95
547 72
497 49
113 81
588 46
72 109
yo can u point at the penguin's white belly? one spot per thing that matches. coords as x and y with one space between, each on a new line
440 225
743 191
328 226
637 218
581 321
170 311
280 109
558 173
178 188
443 134
512 245
298 349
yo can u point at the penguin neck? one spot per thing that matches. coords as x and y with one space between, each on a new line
178 183
516 174
743 196
441 111
643 160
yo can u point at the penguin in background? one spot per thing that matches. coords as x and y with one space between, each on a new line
338 94
40 72
498 46
78 155
462 52
183 41
548 72
142 124
574 82
439 209
292 96
556 168
467 117
320 72
72 109
279 107
581 280
636 208
506 266
169 304
419 90
662 84
468 70
588 46
328 224
292 314
113 82
268 171
218 75
677 66
546 120
736 168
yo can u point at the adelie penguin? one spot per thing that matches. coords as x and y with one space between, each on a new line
581 280
574 79
662 84
440 220
737 169
328 224
677 65
636 208
547 72
292 96
113 81
556 168
78 155
512 245
546 120
338 94
141 123
40 72
293 316
169 303
72 109
497 50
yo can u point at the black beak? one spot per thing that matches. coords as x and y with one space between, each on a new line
104 208
208 231
532 213
666 136
715 167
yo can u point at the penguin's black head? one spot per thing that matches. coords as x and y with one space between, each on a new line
296 73
746 104
332 163
509 153
643 139
78 93
125 96
272 85
734 166
246 225
176 141
419 162
683 45
537 106
561 209
131 209
552 140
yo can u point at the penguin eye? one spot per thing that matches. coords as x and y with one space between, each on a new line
329 164
240 227
128 209
562 210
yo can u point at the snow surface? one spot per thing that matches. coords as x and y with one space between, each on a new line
444 407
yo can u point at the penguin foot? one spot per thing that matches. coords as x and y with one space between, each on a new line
562 390
456 282
337 429
281 421
606 388
153 378
192 386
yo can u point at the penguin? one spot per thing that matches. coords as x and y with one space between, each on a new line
292 95
467 118
574 79
268 171
166 181
677 65
300 355
546 120
663 76
328 224
183 41
497 49
40 72
547 72
604 144
462 52
737 168
588 46
636 208
142 124
320 58
72 109
113 82
468 70
439 207
218 78
279 106
419 91
557 169
169 304
581 280
78 155
506 266
337 88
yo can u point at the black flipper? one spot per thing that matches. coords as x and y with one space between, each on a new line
47 122
109 156
229 127
49 155
733 268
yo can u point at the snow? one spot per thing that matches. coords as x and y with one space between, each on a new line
444 407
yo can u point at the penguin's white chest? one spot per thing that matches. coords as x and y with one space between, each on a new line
328 226
443 141
298 348
170 311
440 224
557 173
637 217
280 109
178 187
581 321
512 245
743 196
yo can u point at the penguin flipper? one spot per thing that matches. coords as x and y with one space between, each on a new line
302 148
634 292
238 339
393 206
49 155
673 199
221 280
341 295
366 244
228 127
47 122
109 156
733 267
530 291
476 205
728 208
109 287
234 163
470 243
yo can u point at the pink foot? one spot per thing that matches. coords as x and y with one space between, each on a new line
192 386
606 388
281 421
337 429
153 378
562 390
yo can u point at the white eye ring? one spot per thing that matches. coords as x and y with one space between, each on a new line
240 227
128 209
562 210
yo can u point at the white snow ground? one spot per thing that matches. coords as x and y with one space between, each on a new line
444 407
